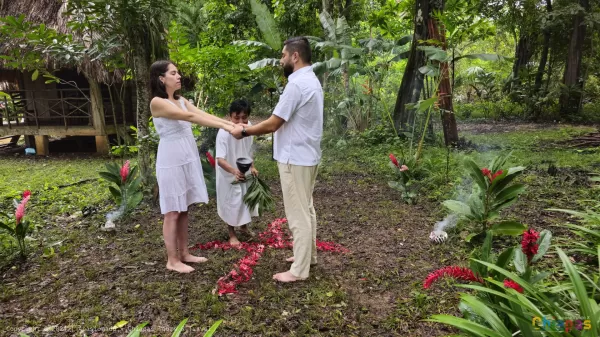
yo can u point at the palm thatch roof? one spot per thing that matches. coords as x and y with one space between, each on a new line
51 13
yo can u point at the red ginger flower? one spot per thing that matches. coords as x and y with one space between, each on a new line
211 160
499 172
529 244
125 171
486 172
26 194
514 285
394 160
456 272
20 212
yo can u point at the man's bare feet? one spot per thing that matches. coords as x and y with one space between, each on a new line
193 259
234 242
180 267
286 277
292 259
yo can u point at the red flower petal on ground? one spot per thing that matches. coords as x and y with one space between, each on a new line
394 160
211 160
514 285
529 244
455 272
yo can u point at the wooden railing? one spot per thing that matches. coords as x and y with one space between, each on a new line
44 107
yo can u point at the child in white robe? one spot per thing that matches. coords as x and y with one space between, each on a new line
230 205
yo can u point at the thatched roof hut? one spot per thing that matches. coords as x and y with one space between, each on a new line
80 105
52 14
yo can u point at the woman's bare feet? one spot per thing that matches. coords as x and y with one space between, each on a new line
179 267
234 242
193 259
286 277
246 230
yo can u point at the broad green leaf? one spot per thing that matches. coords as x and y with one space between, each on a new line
7 229
422 106
429 70
179 328
266 24
458 207
509 193
544 244
483 57
585 307
509 228
538 277
111 177
115 193
505 257
263 63
499 184
137 330
249 43
213 328
488 314
35 75
475 172
465 325
119 325
520 261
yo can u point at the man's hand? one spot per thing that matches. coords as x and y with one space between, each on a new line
237 131
239 176
254 171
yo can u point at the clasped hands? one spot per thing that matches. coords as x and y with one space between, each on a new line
236 131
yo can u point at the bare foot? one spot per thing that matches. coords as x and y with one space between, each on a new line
180 267
193 259
292 259
286 277
234 242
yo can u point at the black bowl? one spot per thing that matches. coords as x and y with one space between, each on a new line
243 164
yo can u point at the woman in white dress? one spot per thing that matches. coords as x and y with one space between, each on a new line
178 168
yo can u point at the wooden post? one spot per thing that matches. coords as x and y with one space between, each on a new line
97 107
42 145
102 146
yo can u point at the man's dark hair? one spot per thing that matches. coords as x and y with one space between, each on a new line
239 106
301 45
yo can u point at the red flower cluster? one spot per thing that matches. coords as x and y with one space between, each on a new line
514 285
125 171
529 244
211 160
455 272
20 212
394 160
273 237
486 172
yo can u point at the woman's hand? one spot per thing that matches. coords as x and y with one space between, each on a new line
239 176
254 171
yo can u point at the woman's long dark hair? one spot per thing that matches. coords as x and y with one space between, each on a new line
157 88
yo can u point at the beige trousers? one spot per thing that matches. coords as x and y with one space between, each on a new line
297 185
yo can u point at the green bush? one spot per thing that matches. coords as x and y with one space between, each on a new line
503 109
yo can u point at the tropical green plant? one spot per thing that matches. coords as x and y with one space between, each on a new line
209 169
22 227
527 309
404 170
127 193
493 191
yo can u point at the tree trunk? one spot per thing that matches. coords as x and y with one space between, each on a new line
570 101
544 57
412 81
437 32
142 78
522 55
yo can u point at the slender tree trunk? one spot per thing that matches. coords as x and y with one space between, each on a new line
570 101
142 78
437 32
522 55
544 57
412 81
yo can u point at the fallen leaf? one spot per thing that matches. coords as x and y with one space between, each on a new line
119 325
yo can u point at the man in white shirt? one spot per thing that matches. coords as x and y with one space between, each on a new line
298 125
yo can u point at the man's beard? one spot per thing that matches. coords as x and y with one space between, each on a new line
288 69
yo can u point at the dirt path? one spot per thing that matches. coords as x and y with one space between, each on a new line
374 290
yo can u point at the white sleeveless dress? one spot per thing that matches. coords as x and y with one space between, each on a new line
178 167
